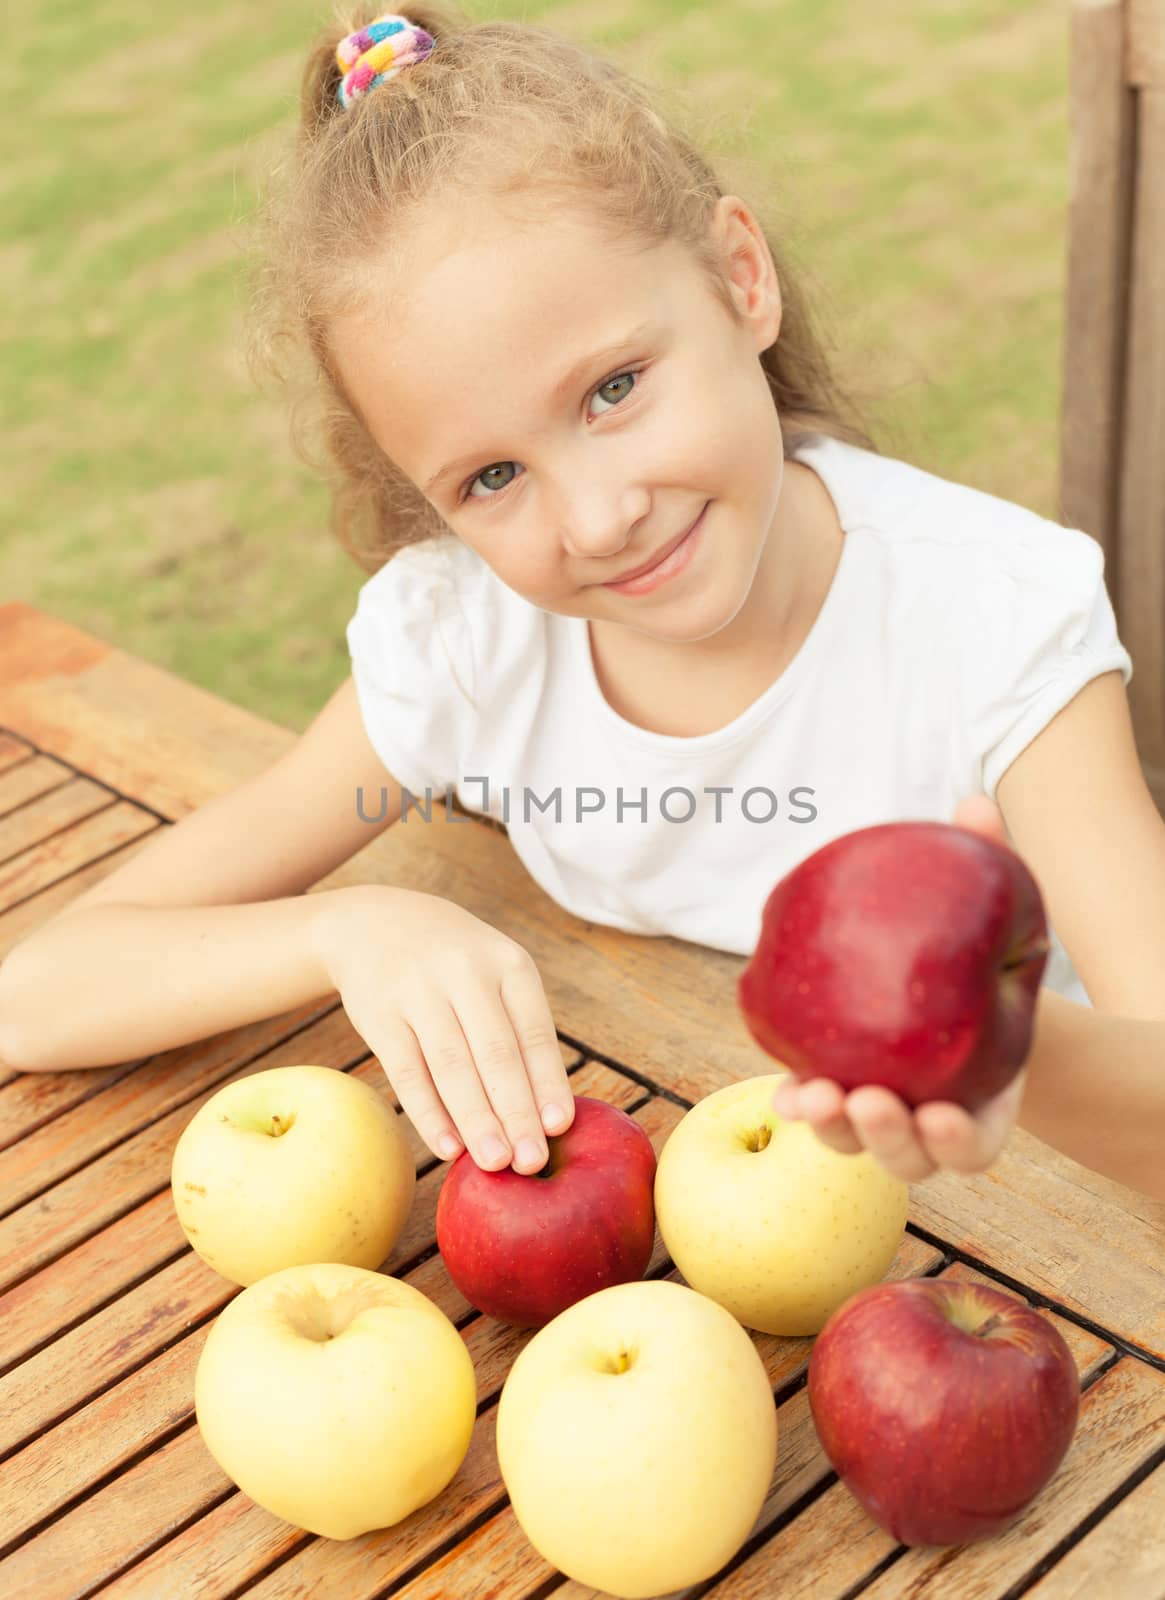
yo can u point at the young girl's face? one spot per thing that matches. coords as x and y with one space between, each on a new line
570 408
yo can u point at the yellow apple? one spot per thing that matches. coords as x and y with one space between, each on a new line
339 1399
636 1437
290 1165
761 1215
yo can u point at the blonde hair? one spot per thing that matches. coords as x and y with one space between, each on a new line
508 109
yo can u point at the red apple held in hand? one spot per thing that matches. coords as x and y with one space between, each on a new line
522 1247
909 955
944 1407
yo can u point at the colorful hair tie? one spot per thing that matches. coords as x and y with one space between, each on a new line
378 52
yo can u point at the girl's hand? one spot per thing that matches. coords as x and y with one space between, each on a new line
937 1134
456 1015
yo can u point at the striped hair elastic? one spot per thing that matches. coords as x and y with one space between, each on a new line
378 52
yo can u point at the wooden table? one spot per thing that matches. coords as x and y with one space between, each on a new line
106 1486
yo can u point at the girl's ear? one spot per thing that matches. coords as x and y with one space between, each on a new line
748 267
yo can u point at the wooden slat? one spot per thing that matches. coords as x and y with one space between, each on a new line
1100 174
75 1553
1142 460
130 724
61 855
1127 1541
26 780
135 1415
1145 45
17 922
1052 1224
94 1274
61 808
29 1100
1113 412
13 750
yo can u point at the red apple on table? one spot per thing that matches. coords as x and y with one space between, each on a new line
523 1247
908 954
943 1407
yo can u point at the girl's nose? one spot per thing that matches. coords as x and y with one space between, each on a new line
601 527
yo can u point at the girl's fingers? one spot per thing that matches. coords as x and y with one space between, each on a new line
501 1068
910 1147
399 1052
453 1065
529 1012
821 1103
886 1128
785 1098
951 1137
967 1142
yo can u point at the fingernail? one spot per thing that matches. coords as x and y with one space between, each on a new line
448 1146
529 1155
494 1150
552 1117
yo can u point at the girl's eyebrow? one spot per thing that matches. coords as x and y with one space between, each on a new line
568 381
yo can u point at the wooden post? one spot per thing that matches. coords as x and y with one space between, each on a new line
1112 476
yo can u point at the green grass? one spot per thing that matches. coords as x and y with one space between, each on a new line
915 156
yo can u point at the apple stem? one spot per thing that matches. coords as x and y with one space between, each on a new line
1030 954
993 1322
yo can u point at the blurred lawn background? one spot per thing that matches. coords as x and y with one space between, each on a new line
917 153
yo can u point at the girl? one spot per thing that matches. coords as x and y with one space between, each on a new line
627 542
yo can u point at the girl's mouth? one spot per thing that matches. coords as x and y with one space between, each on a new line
671 565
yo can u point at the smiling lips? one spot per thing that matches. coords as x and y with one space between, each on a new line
658 561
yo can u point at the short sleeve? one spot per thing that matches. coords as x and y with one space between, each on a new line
1042 626
412 666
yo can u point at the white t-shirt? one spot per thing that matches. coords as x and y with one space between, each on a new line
957 625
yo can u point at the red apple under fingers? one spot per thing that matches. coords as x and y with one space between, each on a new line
945 1408
523 1248
908 955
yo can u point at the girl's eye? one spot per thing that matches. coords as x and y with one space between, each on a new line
496 490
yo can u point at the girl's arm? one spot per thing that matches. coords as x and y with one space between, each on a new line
1079 812
1096 1091
175 946
115 982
